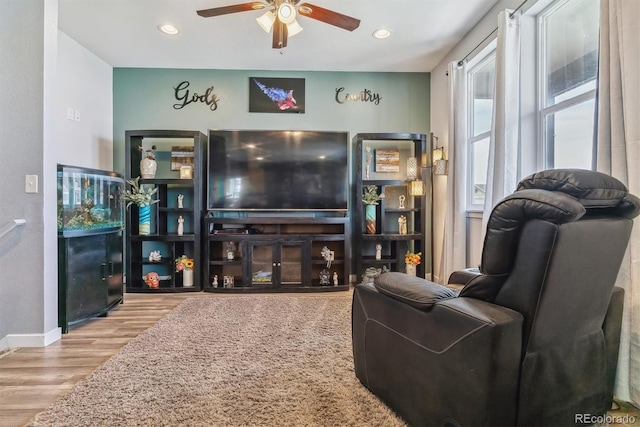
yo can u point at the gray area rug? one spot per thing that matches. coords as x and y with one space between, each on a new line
246 360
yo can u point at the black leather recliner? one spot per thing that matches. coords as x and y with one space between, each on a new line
531 338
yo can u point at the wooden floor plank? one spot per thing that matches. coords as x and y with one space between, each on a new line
33 378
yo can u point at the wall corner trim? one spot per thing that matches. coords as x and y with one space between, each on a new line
30 340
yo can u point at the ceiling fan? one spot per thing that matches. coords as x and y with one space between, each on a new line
281 16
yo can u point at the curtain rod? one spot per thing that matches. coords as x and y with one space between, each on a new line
511 15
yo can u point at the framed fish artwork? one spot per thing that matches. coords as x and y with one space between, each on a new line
276 95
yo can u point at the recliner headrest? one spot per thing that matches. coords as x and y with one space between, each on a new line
557 196
594 190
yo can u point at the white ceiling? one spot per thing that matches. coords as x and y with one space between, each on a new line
124 33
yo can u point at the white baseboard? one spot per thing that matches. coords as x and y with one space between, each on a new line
30 340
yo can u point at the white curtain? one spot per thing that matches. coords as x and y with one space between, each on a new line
502 171
618 154
454 251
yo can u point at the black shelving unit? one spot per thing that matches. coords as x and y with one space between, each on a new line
164 214
418 210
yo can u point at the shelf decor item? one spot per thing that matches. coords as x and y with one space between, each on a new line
325 276
143 197
402 224
144 220
185 265
180 225
155 256
186 172
411 260
370 198
152 279
231 251
148 165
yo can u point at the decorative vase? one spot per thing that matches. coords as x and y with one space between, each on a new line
411 269
144 220
187 278
370 216
148 168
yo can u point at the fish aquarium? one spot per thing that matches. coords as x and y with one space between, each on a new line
89 201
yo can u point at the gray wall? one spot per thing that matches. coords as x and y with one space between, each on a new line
28 290
144 99
84 85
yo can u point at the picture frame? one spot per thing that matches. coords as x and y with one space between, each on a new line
276 95
181 156
387 160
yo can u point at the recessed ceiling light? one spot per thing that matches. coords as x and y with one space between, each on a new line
382 33
168 29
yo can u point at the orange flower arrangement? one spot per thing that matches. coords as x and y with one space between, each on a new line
412 259
184 263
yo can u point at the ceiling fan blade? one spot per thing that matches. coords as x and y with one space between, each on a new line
280 34
329 16
224 10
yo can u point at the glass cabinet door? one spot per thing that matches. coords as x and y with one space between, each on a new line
263 263
290 265
276 263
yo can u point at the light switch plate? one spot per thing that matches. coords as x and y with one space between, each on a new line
31 183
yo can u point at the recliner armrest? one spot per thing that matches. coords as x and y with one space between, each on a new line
414 291
460 278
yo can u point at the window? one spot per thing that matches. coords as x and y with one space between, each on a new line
568 59
481 82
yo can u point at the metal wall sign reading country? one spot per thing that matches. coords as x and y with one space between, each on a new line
365 95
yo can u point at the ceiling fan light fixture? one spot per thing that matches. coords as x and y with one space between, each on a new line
293 28
168 29
286 13
381 33
266 21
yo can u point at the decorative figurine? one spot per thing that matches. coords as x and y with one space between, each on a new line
402 224
324 277
155 256
180 199
180 225
370 273
378 251
335 278
327 255
215 281
401 200
368 160
231 248
228 282
152 279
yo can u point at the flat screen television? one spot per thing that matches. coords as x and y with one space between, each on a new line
274 170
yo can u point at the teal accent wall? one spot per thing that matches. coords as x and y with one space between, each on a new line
143 98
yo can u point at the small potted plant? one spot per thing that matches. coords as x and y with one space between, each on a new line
143 197
185 265
411 260
371 198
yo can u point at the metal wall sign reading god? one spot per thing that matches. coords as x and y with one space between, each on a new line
182 94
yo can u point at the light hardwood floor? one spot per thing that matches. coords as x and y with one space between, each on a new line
33 378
